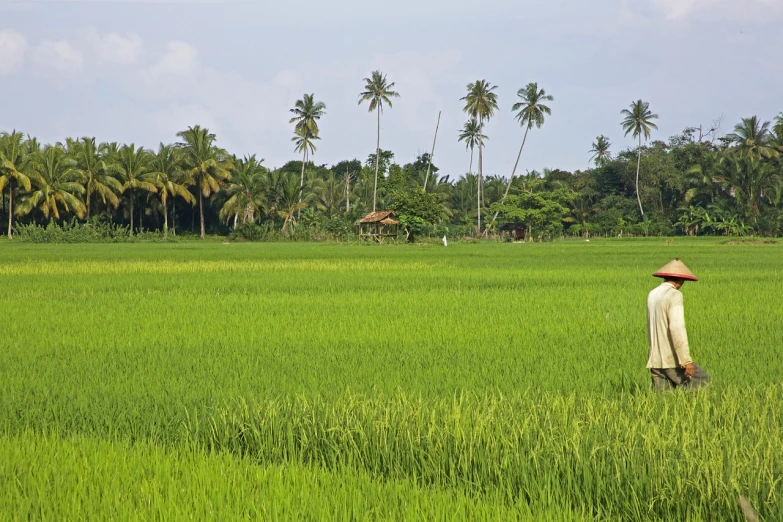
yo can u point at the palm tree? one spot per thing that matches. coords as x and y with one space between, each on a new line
136 173
246 191
778 127
56 185
582 207
531 112
777 130
362 190
329 195
699 186
753 138
307 113
97 173
472 136
304 143
377 91
206 164
110 151
481 102
463 198
288 201
746 179
638 121
170 179
600 150
492 190
15 169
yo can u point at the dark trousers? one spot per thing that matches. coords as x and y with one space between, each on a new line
670 378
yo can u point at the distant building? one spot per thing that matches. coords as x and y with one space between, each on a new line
513 231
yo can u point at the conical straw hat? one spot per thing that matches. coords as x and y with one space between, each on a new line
676 268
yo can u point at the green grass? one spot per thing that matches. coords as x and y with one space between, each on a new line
504 372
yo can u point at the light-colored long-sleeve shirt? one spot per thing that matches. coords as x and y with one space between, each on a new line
666 326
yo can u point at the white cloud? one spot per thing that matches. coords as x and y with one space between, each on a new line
180 59
682 9
113 48
674 9
59 56
417 77
33 2
176 117
288 78
12 49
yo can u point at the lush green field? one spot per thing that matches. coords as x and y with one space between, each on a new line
493 381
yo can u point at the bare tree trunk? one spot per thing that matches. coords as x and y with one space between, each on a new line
429 165
470 170
236 216
377 158
638 164
10 208
165 220
174 217
508 187
201 210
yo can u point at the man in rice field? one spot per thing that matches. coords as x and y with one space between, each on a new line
670 360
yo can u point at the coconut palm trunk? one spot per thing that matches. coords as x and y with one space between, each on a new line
201 211
131 212
165 219
470 169
301 181
347 191
429 164
478 190
638 164
377 158
638 122
514 171
10 208
88 198
301 178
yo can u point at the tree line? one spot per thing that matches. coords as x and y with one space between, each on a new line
694 183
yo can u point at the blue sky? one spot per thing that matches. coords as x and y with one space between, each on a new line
142 70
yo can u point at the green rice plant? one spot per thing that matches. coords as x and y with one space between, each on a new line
513 373
634 457
47 478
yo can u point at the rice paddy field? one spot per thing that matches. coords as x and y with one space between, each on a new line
212 381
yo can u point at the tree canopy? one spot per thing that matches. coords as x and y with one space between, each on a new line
693 183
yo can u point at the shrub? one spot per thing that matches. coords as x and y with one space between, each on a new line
94 231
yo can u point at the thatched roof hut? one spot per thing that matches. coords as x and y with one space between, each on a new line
378 225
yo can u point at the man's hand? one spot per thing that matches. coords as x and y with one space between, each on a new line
690 369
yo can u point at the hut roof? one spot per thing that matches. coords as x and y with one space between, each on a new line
378 217
389 221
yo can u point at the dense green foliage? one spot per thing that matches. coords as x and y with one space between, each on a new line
695 183
491 381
